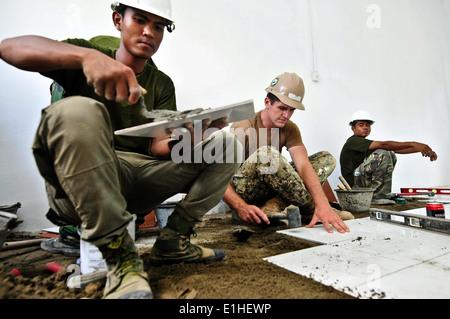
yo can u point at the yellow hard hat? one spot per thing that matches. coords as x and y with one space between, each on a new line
289 89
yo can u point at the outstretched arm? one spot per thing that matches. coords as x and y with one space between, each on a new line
109 77
405 148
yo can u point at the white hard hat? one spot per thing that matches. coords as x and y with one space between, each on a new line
361 116
161 8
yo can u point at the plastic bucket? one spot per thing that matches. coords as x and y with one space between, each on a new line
357 200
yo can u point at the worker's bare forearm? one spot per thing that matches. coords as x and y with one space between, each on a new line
407 150
39 54
387 145
404 147
393 146
109 78
313 185
232 199
309 177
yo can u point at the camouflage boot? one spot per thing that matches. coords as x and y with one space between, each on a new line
175 247
126 279
274 207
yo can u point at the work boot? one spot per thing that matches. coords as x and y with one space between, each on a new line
172 247
274 207
343 214
126 278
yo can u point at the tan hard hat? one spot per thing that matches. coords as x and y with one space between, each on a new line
289 88
161 8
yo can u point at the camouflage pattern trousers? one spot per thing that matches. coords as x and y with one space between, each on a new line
267 174
376 172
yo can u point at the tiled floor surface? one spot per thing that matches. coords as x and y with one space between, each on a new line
375 260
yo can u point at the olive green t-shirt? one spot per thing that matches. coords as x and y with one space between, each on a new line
160 88
289 135
353 153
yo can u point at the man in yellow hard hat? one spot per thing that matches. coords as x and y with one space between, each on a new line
266 176
370 164
97 179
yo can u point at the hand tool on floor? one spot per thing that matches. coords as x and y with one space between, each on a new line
293 217
8 221
21 244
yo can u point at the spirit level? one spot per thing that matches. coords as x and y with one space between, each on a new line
441 225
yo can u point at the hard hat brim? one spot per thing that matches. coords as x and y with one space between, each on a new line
142 7
286 100
352 122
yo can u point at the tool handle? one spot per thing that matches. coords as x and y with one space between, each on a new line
345 183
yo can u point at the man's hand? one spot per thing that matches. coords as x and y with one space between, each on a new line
208 127
219 123
432 155
252 215
425 150
214 126
327 217
110 78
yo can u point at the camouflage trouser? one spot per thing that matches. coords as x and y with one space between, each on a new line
376 172
267 174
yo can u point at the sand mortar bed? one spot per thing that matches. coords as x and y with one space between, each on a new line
244 275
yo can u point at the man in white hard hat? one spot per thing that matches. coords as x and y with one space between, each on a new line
367 163
266 177
97 179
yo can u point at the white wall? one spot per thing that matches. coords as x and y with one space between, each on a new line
388 56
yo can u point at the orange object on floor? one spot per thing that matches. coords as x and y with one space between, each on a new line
53 267
149 221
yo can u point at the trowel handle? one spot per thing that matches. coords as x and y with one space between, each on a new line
345 183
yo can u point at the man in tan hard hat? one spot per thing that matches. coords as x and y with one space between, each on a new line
97 179
266 176
370 164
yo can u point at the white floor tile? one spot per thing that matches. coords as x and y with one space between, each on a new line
375 260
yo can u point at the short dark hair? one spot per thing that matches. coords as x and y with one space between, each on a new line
353 123
120 9
272 98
